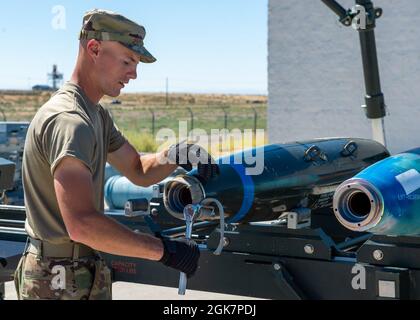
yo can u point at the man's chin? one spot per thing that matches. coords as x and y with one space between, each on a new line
114 93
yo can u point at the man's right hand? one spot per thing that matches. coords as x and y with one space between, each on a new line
181 254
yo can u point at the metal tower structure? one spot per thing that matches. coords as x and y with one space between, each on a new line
55 76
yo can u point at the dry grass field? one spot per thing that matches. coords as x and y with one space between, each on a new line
140 116
24 102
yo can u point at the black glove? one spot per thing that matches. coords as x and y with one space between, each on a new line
187 155
181 254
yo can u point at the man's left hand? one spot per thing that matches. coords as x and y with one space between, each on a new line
187 155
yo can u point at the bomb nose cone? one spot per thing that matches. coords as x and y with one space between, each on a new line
357 204
181 191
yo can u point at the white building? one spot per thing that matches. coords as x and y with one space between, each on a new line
315 73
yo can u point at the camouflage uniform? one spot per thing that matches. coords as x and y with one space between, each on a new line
70 125
109 26
86 279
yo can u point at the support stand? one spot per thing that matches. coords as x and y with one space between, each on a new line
362 17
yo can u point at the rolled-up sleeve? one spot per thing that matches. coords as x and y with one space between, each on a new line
68 135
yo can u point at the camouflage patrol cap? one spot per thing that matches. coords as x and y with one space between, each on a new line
110 26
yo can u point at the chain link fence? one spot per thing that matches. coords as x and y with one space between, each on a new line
206 117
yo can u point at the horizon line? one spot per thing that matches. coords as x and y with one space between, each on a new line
2 90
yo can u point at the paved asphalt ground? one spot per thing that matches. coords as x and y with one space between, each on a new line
131 291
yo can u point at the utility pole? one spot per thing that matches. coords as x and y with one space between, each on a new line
55 76
167 91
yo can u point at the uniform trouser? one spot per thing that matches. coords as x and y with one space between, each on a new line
46 278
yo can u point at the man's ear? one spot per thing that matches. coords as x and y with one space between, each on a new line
93 47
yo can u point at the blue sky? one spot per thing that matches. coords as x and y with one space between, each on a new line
201 45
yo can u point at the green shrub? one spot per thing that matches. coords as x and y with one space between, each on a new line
143 142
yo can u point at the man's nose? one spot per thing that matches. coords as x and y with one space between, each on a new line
133 73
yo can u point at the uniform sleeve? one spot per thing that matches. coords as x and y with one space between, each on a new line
68 135
117 139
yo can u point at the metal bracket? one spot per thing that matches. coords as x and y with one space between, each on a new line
313 153
286 283
347 17
157 191
139 208
349 149
353 14
298 219
142 208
